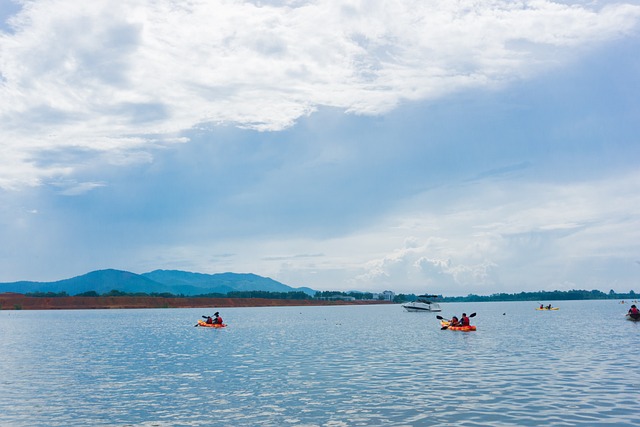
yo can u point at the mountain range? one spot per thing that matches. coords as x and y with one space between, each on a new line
158 281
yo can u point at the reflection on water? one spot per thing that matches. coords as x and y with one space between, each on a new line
321 366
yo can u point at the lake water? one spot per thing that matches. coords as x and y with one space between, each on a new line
321 366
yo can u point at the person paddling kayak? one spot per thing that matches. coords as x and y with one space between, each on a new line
217 320
465 320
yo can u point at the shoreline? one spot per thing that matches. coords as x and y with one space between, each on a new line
14 301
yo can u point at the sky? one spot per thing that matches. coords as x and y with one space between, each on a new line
416 146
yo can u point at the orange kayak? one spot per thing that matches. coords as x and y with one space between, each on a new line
211 325
458 328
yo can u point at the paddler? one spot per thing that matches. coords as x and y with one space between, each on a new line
217 319
634 310
465 320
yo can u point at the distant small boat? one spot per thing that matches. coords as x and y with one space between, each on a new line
547 309
423 303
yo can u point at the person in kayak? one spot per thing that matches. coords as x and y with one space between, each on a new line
634 310
217 319
465 320
541 307
209 320
454 321
549 307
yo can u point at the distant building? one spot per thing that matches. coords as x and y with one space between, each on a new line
385 296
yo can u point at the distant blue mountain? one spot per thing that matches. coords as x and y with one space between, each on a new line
197 283
158 281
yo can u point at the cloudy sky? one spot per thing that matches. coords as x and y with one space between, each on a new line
450 147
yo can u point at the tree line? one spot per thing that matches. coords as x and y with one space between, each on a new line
333 294
530 296
293 295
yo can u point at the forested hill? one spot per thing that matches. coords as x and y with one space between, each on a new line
158 281
544 296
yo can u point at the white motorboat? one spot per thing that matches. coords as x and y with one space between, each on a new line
423 303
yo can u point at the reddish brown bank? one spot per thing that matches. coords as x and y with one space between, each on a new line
13 301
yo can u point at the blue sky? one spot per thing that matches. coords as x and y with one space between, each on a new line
417 146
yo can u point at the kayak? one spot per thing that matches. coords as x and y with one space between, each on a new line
210 325
632 317
547 309
458 328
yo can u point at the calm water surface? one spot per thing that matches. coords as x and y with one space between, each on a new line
321 366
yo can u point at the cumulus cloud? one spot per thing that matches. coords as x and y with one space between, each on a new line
414 269
119 78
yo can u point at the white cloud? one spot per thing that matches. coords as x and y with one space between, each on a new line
79 188
120 77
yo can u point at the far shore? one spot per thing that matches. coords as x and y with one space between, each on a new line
14 301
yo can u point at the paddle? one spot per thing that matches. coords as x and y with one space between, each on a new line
447 327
